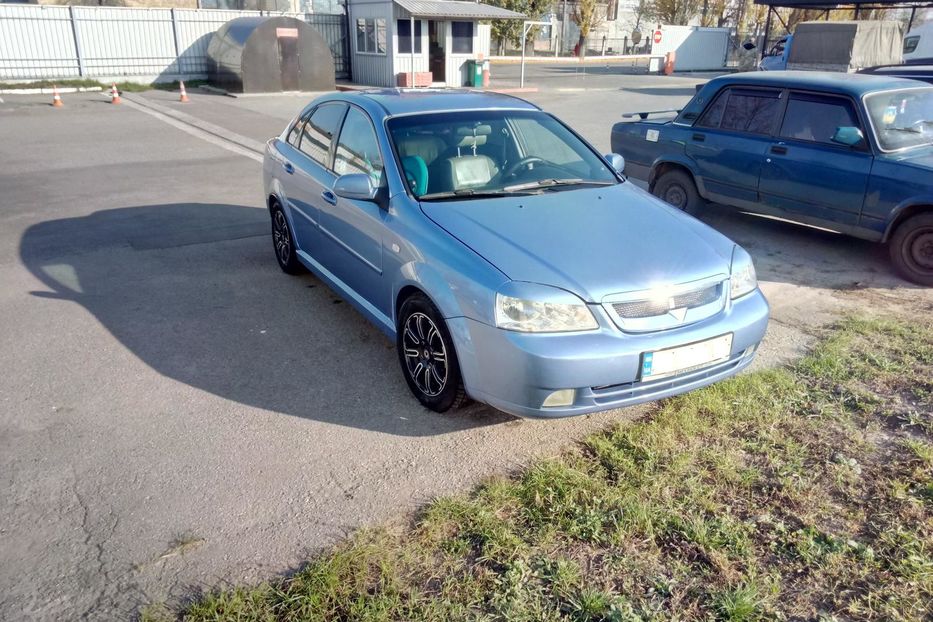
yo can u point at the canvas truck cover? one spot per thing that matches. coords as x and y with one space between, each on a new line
846 46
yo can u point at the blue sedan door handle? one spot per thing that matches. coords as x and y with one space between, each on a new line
288 168
329 196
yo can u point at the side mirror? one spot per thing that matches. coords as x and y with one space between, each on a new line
848 136
358 186
616 161
748 45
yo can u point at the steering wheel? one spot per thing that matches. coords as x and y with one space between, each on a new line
523 162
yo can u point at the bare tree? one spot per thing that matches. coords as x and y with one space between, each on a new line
675 12
587 15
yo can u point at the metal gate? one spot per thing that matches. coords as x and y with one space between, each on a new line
334 30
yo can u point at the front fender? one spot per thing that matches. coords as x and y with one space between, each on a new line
453 293
901 209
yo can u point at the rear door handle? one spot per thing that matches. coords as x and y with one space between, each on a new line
699 137
329 196
778 150
288 168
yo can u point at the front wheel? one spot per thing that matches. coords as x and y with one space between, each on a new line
427 356
677 188
911 249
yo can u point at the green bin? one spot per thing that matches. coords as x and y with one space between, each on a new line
476 73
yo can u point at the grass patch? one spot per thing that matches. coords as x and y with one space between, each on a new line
797 493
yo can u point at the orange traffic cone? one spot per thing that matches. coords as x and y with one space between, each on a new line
184 94
56 98
114 95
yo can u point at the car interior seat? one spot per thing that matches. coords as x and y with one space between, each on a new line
467 168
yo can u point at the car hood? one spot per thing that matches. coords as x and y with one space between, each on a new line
593 242
921 157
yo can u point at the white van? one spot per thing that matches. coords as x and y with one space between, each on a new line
918 44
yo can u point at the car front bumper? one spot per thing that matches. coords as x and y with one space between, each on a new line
515 372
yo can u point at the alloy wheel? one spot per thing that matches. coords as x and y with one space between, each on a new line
281 237
425 354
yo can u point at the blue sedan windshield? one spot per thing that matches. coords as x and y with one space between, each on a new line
492 152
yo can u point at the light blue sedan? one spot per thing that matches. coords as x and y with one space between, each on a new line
508 260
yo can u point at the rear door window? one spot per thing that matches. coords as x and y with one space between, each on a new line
815 118
743 110
318 133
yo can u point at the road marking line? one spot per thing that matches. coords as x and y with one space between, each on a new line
197 132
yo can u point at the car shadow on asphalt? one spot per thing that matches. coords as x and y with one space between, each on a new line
194 291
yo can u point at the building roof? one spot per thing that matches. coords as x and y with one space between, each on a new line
855 84
407 101
457 9
835 4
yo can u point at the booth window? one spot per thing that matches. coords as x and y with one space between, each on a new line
371 35
462 37
404 36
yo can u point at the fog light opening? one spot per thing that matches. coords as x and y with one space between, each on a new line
561 397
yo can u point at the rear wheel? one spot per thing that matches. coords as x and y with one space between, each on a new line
677 188
426 354
283 242
911 249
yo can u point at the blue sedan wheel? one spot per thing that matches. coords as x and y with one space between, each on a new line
677 188
284 242
427 356
912 249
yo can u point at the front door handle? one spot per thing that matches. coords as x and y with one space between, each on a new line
778 150
329 196
288 168
699 137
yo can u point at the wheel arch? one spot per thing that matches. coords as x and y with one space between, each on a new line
660 167
904 211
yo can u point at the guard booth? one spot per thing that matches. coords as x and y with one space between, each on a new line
419 42
269 54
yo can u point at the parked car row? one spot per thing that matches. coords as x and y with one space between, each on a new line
851 153
513 264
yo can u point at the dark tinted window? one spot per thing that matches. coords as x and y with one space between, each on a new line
750 111
713 114
462 37
742 110
815 118
319 130
404 36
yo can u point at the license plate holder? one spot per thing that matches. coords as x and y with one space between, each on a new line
681 359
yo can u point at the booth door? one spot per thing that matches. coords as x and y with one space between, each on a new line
288 57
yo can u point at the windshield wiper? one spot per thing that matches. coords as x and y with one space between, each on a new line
468 193
550 183
911 130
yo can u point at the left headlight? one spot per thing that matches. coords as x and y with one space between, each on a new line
744 280
541 309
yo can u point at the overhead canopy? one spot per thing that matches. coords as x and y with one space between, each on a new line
455 9
847 5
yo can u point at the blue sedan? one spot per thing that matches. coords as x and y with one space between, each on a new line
508 260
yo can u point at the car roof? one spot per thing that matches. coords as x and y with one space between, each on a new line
407 101
854 84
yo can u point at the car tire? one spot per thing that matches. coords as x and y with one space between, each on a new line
677 188
283 242
911 249
427 356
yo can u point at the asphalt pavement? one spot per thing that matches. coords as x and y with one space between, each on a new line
178 413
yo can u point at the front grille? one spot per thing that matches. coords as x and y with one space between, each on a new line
651 308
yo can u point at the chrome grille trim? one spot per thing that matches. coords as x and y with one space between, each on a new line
681 305
650 308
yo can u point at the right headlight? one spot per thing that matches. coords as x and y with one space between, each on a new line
743 280
532 308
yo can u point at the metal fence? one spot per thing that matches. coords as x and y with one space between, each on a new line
41 41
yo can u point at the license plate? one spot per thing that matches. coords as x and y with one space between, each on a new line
681 359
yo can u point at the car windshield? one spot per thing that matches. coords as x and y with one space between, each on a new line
482 153
902 118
